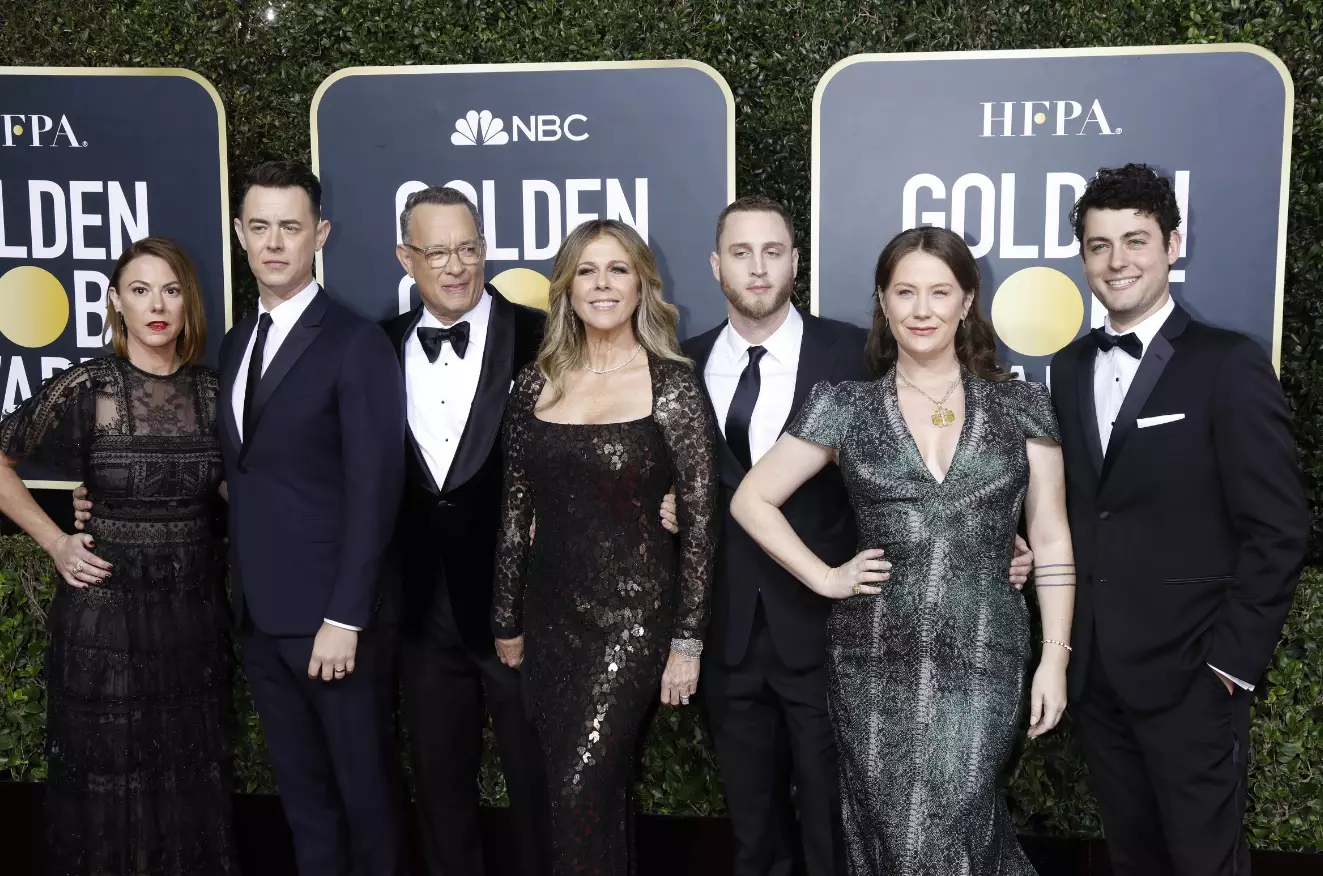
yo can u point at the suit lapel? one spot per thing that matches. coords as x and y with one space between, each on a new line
1156 357
303 333
488 409
402 330
1088 405
230 373
814 363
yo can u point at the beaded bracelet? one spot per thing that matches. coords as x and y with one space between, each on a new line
1055 642
687 647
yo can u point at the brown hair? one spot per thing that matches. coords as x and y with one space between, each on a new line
975 341
755 204
191 345
654 318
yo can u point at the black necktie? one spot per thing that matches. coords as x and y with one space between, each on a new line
741 407
255 375
1128 342
433 338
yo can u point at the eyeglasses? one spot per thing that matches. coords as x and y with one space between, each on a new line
439 256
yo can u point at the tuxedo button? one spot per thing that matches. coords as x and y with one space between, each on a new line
1105 515
243 469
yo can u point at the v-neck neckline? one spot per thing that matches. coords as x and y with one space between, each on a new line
914 444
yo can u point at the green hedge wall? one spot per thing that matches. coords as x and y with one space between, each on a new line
772 52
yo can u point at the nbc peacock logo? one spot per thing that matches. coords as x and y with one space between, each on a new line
479 129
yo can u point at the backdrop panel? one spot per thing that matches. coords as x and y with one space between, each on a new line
540 148
92 159
998 145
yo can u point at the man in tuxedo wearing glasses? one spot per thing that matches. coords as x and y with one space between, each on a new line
460 348
764 667
1189 523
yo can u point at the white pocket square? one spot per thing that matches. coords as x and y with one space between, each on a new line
511 389
1145 422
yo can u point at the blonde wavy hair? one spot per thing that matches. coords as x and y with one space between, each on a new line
564 343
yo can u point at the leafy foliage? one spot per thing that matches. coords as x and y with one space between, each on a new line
267 58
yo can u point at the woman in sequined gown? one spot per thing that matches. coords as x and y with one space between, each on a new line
600 605
138 664
928 647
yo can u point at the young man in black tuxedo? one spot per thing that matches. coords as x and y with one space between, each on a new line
460 349
1189 523
764 666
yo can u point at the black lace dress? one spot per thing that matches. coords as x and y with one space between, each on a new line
138 669
602 591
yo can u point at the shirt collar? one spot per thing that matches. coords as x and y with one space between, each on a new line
782 345
1147 330
287 312
477 318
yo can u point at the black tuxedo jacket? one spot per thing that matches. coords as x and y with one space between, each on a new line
446 537
315 486
1189 536
819 511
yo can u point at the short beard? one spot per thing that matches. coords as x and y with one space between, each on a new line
759 310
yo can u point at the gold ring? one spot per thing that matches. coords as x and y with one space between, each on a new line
858 588
78 567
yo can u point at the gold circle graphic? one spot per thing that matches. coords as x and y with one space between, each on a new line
523 286
18 129
1037 311
1040 117
34 308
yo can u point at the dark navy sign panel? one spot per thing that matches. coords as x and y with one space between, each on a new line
998 145
90 161
541 148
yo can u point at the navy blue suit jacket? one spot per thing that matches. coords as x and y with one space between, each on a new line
315 488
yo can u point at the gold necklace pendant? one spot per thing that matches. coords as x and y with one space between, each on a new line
943 417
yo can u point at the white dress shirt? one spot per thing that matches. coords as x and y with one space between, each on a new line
439 395
1113 372
283 318
778 370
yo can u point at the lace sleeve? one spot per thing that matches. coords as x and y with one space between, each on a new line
682 414
516 510
52 427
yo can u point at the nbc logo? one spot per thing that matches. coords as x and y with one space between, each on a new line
483 129
479 128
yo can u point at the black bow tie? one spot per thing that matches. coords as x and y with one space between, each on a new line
1128 342
433 338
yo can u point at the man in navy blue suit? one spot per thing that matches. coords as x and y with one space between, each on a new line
311 415
312 433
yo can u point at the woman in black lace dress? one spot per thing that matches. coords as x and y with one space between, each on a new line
138 667
611 606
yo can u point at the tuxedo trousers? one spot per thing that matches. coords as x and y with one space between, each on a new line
1170 784
448 690
332 748
771 730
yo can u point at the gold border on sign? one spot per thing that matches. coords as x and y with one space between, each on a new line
222 145
549 67
992 55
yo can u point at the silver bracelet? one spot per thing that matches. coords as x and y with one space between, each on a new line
687 647
1055 642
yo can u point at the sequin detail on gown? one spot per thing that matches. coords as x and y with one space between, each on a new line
602 591
926 679
138 669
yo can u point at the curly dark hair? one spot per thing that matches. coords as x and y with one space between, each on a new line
976 342
1133 187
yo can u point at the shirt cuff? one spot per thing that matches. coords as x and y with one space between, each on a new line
342 626
1236 681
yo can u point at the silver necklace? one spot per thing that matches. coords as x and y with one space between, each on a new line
637 348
